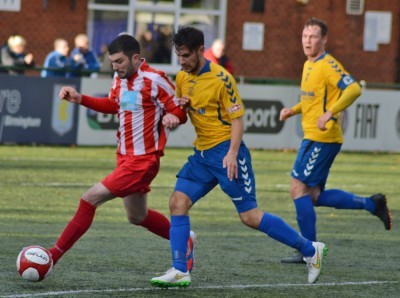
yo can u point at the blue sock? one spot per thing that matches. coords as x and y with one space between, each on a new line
277 229
179 236
340 199
306 217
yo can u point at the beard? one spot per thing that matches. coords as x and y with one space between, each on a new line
130 71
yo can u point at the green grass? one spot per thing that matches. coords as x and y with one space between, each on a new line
40 188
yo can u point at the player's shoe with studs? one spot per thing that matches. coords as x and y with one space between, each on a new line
172 278
190 251
382 211
314 263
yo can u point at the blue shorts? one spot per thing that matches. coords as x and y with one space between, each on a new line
314 161
204 170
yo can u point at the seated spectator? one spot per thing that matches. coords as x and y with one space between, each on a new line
216 54
57 62
86 58
13 54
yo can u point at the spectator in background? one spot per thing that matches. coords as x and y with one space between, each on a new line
105 63
217 55
58 62
86 58
164 49
149 45
13 54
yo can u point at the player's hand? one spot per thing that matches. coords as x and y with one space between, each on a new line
70 94
285 113
322 121
184 102
230 163
170 121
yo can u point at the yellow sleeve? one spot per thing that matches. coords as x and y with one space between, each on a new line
231 98
348 96
180 84
296 109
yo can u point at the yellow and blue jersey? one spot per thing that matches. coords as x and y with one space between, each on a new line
323 81
214 102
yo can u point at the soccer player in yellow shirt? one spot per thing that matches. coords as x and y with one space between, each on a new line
326 90
220 158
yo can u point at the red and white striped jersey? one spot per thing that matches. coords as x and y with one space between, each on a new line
142 101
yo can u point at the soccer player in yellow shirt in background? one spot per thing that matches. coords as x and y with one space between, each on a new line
326 90
220 158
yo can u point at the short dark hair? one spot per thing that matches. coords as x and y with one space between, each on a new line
320 23
126 44
189 37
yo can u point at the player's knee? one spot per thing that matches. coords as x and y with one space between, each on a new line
179 203
292 193
250 222
298 191
251 218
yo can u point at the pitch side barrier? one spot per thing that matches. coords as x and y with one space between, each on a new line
372 123
31 112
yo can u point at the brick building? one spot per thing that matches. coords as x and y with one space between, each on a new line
42 21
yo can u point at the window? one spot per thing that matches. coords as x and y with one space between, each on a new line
153 31
105 26
152 22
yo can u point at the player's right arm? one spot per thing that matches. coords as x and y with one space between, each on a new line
102 105
70 94
289 112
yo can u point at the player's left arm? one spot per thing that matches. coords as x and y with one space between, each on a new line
351 90
348 96
165 95
233 103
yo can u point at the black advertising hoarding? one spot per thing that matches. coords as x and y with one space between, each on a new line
262 116
31 111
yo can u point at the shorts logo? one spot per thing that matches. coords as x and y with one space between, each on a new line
245 175
311 161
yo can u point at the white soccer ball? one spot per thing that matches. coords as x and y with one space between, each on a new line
34 263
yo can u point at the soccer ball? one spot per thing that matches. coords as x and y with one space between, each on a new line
34 263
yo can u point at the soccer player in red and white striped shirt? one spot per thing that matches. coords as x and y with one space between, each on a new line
143 98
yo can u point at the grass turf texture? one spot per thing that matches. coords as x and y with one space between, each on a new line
40 188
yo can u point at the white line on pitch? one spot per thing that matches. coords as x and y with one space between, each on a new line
233 287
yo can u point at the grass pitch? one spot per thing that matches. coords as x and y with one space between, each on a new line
40 188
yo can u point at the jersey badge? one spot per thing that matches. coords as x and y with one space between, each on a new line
128 101
234 108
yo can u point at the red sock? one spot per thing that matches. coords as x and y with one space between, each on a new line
156 223
78 226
